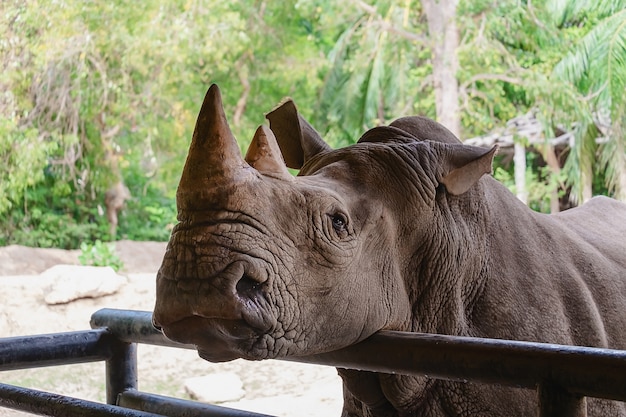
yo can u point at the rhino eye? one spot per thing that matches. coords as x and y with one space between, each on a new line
339 221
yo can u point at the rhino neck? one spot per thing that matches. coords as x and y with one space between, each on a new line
446 274
446 278
373 394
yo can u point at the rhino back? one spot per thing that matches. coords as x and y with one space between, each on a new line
601 223
557 278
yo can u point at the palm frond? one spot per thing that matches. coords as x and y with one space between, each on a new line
597 67
567 11
599 60
367 79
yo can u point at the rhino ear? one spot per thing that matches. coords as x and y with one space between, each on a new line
264 155
297 139
464 165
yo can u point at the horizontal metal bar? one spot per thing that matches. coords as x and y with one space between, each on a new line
580 370
175 407
48 404
132 326
54 349
584 371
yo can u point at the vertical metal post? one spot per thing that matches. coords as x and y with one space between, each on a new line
121 370
554 401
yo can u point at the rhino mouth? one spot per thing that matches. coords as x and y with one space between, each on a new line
216 340
226 317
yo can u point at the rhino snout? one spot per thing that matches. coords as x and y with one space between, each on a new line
156 325
236 293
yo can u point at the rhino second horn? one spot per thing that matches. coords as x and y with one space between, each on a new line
214 158
264 155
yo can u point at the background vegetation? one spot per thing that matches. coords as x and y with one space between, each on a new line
93 93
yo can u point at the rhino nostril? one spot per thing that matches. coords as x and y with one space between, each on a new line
247 285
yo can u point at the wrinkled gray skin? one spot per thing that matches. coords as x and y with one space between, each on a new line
400 231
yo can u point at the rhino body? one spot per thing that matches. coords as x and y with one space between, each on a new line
400 231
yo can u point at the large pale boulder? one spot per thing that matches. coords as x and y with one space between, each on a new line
67 283
215 388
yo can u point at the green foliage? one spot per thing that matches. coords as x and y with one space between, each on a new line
566 61
52 215
92 93
378 65
540 182
100 254
148 216
98 92
23 156
596 66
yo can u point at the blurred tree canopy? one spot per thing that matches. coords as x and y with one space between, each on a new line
98 93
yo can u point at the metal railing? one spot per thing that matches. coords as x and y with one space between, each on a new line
562 375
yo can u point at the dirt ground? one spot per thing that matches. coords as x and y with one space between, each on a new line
273 387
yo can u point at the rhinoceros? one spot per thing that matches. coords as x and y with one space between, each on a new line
404 230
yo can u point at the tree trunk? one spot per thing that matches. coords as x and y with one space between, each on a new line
549 155
620 188
242 71
519 162
586 178
620 153
444 35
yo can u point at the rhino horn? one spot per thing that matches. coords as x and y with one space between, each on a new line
264 155
214 159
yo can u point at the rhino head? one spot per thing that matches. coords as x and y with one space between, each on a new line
263 264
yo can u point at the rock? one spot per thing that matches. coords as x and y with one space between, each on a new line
23 260
140 256
215 388
71 282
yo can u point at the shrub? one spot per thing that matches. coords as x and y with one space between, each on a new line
100 254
